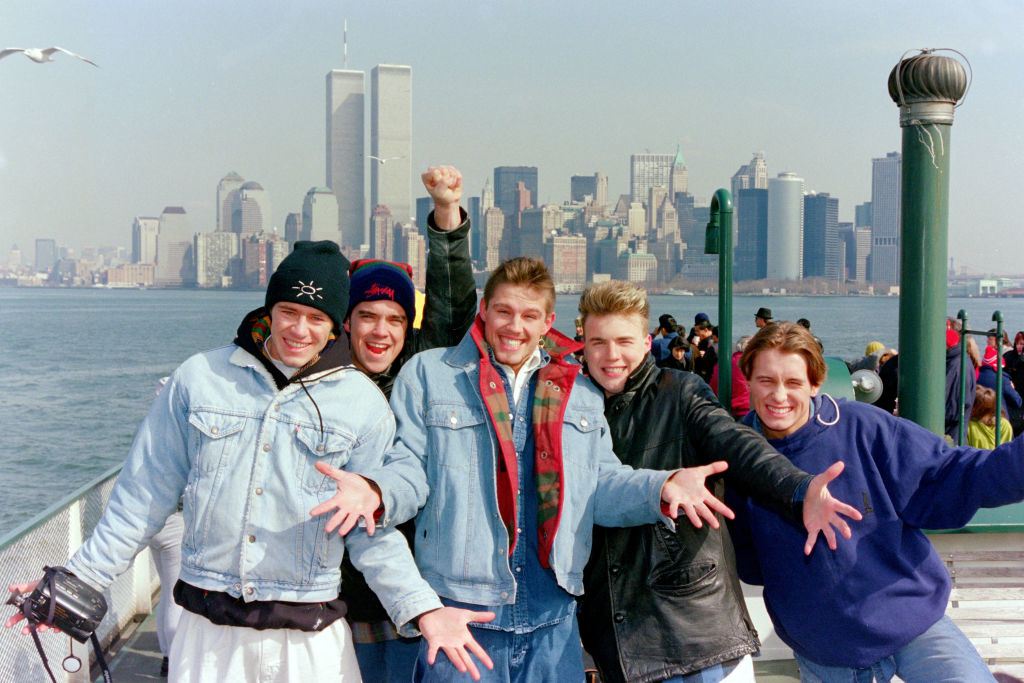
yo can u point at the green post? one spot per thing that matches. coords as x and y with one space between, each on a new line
961 433
926 87
720 227
998 318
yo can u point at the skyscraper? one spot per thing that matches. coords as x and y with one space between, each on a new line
679 178
250 210
346 104
215 252
821 237
227 190
175 260
46 253
506 193
885 218
581 187
320 215
752 234
785 227
391 140
144 236
647 171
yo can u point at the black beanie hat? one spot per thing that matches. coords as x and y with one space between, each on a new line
314 274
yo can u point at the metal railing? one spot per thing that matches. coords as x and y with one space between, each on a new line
50 539
997 318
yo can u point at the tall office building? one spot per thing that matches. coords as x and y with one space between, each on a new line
821 237
144 236
382 236
538 226
595 186
346 150
862 215
752 233
507 196
391 139
215 252
227 190
566 256
424 205
885 218
261 255
175 260
293 228
493 237
250 210
785 227
411 248
46 253
320 215
647 171
679 177
751 176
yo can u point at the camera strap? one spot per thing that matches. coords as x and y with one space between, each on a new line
26 609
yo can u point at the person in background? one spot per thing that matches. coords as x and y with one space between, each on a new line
981 430
871 360
677 359
875 607
1013 363
740 399
762 317
706 359
666 332
379 322
990 367
662 604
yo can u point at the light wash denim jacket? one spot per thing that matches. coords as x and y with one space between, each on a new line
444 460
243 452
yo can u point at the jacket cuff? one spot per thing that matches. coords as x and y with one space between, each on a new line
450 234
420 603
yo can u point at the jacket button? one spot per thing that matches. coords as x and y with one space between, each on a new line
504 595
214 430
277 406
614 571
259 492
544 455
619 617
583 422
320 448
266 448
250 592
252 539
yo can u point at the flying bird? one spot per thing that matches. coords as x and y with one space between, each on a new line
385 160
40 55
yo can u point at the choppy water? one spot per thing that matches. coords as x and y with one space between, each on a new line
78 367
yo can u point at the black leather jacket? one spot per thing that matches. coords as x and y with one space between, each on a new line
661 603
447 313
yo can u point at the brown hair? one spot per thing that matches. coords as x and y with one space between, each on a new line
789 338
615 297
984 409
525 271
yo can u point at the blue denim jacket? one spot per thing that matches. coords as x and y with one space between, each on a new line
444 461
242 453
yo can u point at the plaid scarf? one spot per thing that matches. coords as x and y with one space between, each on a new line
554 382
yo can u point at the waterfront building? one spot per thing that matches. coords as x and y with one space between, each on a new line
293 228
510 182
320 215
175 259
785 227
538 225
216 253
227 190
858 251
14 257
391 139
647 171
752 234
250 210
261 255
821 256
46 253
641 268
346 149
381 234
144 236
133 274
885 218
566 257
493 237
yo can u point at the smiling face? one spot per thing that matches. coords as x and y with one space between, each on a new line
376 334
616 345
780 392
515 318
297 333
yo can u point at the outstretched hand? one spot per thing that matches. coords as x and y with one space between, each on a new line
26 588
444 185
447 629
686 489
821 510
356 499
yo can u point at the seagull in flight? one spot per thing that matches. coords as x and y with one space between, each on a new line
40 55
383 161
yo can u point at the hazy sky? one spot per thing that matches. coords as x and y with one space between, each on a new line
190 90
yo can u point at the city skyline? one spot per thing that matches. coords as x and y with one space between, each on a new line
584 93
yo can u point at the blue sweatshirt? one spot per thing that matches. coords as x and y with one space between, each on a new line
886 585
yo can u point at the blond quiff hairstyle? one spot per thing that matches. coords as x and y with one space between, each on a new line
615 297
523 271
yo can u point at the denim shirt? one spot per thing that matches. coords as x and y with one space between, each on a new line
444 460
242 455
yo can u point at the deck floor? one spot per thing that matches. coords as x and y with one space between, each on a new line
138 661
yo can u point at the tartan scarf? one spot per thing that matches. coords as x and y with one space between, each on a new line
554 382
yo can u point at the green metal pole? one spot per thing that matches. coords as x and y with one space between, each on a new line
961 430
722 203
926 87
998 318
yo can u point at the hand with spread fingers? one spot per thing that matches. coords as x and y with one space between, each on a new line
685 489
357 498
822 511
25 588
447 629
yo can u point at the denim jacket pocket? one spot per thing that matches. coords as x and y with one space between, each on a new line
331 447
212 436
454 431
579 441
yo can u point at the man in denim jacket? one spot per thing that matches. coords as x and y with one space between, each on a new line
506 449
244 433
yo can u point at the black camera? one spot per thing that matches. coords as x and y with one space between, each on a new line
63 600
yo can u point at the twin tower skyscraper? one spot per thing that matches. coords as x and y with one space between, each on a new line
390 147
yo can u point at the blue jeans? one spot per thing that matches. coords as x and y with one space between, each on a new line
550 653
389 661
942 653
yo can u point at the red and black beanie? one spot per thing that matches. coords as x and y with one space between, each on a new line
373 280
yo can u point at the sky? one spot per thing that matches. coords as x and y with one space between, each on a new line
189 90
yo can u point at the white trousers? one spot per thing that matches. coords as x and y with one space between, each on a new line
203 652
166 549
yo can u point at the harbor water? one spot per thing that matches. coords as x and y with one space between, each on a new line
79 367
